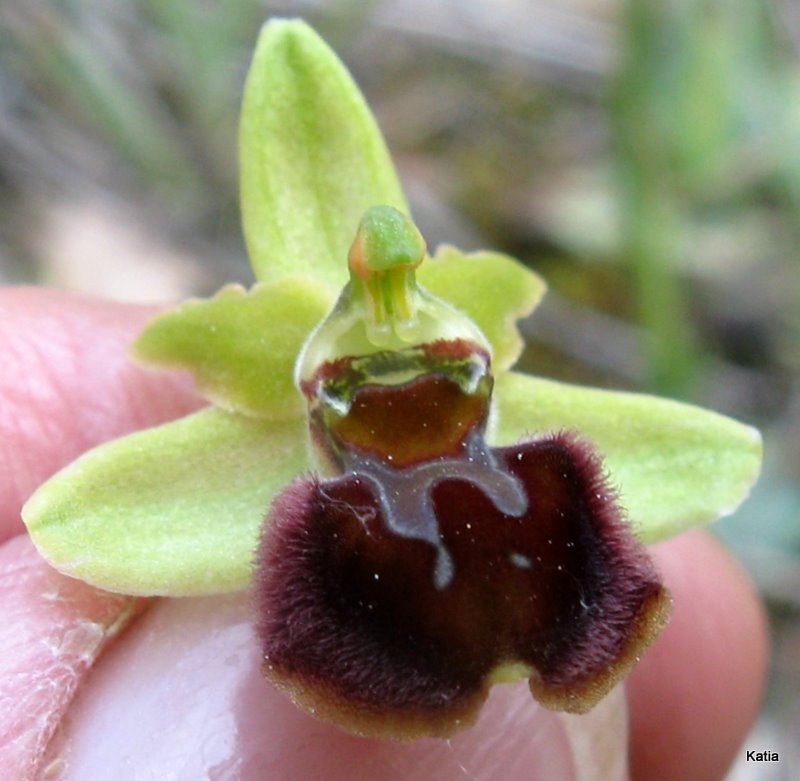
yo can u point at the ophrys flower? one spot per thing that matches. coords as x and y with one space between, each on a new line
177 510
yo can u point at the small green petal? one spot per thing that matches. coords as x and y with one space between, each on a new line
173 510
676 466
240 346
312 159
493 289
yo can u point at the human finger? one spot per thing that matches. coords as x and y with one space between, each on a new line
697 690
67 385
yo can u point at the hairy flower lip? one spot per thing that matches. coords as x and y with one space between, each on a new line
356 629
392 595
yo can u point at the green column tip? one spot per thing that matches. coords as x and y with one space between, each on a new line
386 250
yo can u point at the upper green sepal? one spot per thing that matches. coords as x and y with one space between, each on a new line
240 345
312 159
675 466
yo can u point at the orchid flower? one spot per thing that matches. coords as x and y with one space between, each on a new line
416 520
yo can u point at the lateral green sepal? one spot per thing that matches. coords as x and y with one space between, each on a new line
169 511
675 465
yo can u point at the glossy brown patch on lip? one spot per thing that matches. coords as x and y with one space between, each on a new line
357 628
401 425
401 408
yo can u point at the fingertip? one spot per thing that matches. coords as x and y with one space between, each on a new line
53 629
697 691
221 713
67 384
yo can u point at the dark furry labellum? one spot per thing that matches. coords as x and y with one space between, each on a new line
392 595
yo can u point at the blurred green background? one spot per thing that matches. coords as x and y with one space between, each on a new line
643 155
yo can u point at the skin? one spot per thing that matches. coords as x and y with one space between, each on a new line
66 385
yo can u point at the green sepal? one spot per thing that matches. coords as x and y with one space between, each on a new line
675 465
173 510
240 345
493 289
312 159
